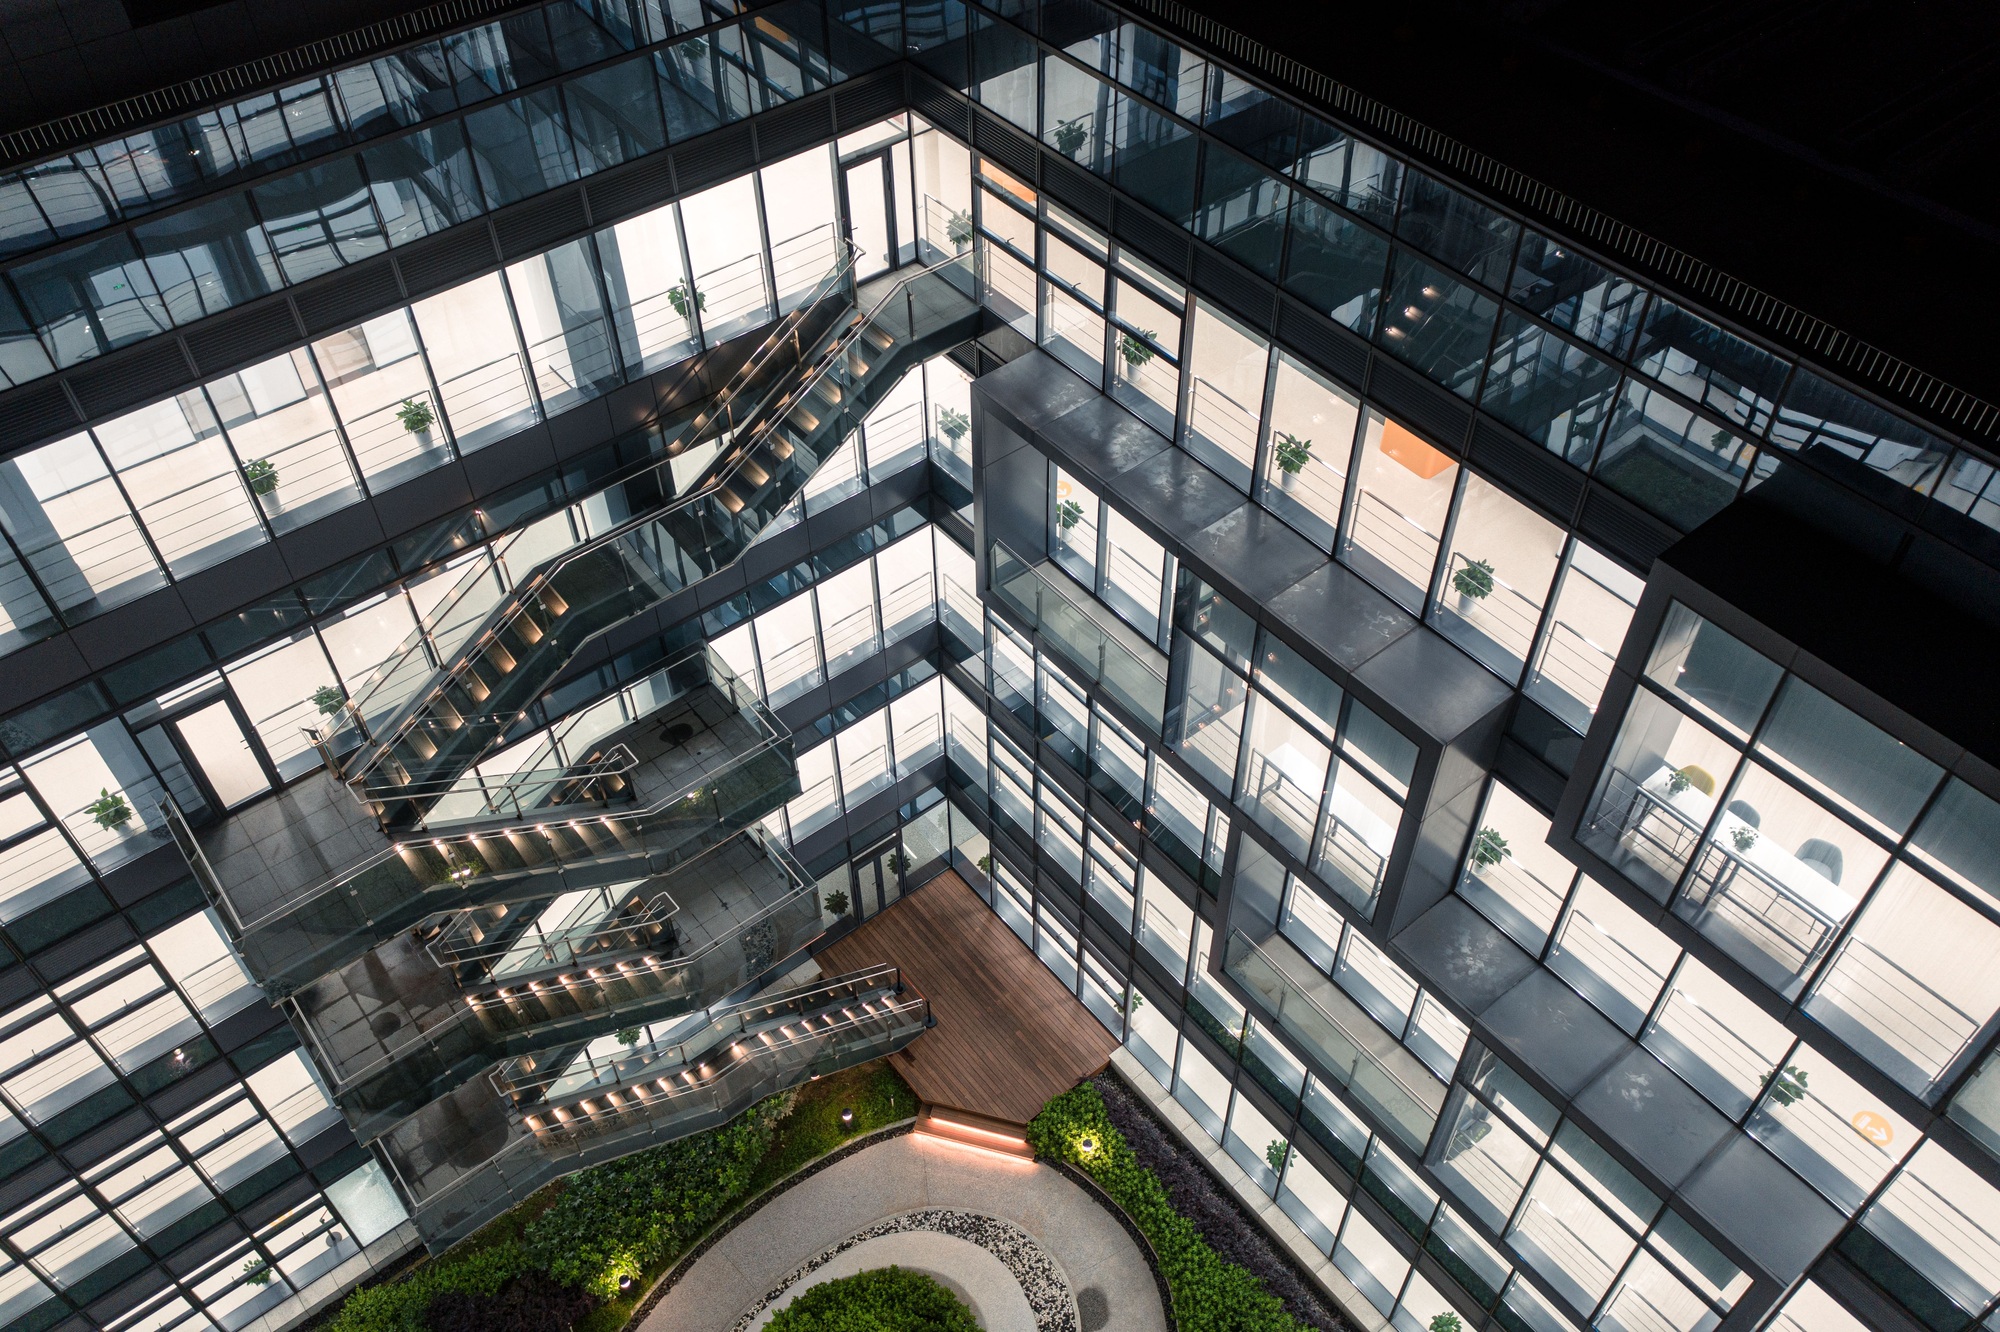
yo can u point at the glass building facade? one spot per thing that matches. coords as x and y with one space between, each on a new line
1295 591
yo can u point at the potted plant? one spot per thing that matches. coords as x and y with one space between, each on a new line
629 1036
687 302
261 474
953 423
1744 838
1291 454
1446 1322
1135 352
898 863
109 811
1277 1153
256 1272
329 700
1788 1086
1680 779
1488 848
1070 136
1068 514
1473 583
986 864
958 230
417 417
835 903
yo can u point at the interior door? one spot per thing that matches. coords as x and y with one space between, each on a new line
214 739
870 214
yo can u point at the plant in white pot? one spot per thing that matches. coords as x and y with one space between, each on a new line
109 811
417 416
1291 454
1135 351
958 230
954 424
1473 583
261 475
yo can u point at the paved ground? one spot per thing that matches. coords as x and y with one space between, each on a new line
901 1175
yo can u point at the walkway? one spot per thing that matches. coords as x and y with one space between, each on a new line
1008 1035
1106 1274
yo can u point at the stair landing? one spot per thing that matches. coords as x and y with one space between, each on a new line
1007 1035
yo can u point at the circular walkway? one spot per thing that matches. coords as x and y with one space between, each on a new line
801 1230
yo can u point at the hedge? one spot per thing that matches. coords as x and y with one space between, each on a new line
1210 1293
886 1299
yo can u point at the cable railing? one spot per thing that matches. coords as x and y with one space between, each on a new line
1893 1004
1503 613
1574 664
600 926
1394 538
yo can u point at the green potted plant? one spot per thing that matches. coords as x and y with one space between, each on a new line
1071 136
629 1036
953 423
109 811
1744 838
986 864
1473 583
835 903
417 416
687 302
261 475
329 700
256 1272
1068 514
1788 1086
898 863
1277 1153
1291 454
1134 351
958 230
1446 1322
1680 779
1488 848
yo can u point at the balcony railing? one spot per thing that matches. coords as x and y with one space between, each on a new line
1115 659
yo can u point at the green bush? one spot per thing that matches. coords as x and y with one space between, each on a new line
1210 1293
400 1306
887 1299
623 1217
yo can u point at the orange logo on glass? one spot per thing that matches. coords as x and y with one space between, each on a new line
1873 1127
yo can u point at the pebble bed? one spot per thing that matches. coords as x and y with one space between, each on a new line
1041 1280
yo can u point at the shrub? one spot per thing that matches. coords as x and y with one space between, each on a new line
401 1306
623 1217
887 1299
529 1303
1210 1294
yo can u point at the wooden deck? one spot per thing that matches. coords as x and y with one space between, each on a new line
1008 1035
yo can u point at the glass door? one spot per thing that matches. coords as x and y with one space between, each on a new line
868 189
213 738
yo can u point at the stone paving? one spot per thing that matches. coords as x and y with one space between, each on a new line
1107 1278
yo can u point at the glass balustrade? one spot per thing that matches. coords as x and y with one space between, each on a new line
1109 654
653 1095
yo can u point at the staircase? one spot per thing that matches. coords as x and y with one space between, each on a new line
466 1159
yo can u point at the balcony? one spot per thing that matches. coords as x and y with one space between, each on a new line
304 884
418 1017
1106 651
468 1157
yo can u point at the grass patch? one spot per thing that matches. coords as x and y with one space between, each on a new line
639 1214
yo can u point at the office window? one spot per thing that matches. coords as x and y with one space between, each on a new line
1671 460
1706 365
1207 727
87 300
1960 838
1360 833
275 414
1869 774
1397 509
647 281
1716 1038
80 770
423 182
1134 574
1908 988
1573 293
381 390
564 325
1611 956
1828 1128
1284 777
212 256
468 334
319 219
1943 1221
275 687
1225 394
1151 1039
1004 68
1512 875
1076 113
1072 330
68 519
1816 415
1437 324
1550 390
1569 1239
1594 599
1367 1258
1242 209
522 147
1202 1089
190 493
1256 1144
725 247
1146 368
1166 927
1308 449
1656 793
1496 577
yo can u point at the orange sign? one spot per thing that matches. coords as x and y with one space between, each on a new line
1873 1127
1412 452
